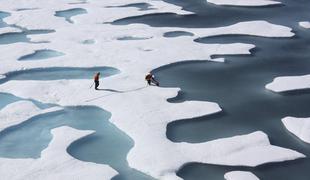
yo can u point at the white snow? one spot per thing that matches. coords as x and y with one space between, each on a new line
105 53
142 112
244 2
6 30
20 111
240 175
55 162
299 127
305 24
289 83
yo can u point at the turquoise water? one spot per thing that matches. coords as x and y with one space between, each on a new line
68 14
237 85
108 145
7 98
16 37
43 74
3 15
41 54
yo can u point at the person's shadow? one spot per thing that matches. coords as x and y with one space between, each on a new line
110 90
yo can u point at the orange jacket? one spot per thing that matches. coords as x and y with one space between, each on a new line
148 77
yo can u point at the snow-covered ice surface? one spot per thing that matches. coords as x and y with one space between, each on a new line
305 24
240 175
9 30
298 126
143 117
244 2
19 111
289 83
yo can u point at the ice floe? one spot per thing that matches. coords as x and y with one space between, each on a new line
305 24
147 119
20 111
55 162
106 44
244 2
6 30
299 127
289 83
140 111
240 175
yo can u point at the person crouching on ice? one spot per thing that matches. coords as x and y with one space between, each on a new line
151 79
96 80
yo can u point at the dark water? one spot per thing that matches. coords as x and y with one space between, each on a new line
238 85
140 6
172 34
209 15
68 14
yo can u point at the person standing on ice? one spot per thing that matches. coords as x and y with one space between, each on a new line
151 79
96 80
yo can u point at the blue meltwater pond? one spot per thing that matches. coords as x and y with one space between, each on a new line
237 86
57 73
108 145
41 54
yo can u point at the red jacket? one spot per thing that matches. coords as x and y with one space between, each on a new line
96 77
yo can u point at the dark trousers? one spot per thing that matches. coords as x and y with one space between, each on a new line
152 81
96 84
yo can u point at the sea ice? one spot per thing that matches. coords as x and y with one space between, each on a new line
55 162
240 175
139 110
289 83
305 24
6 30
244 2
146 120
20 111
299 127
